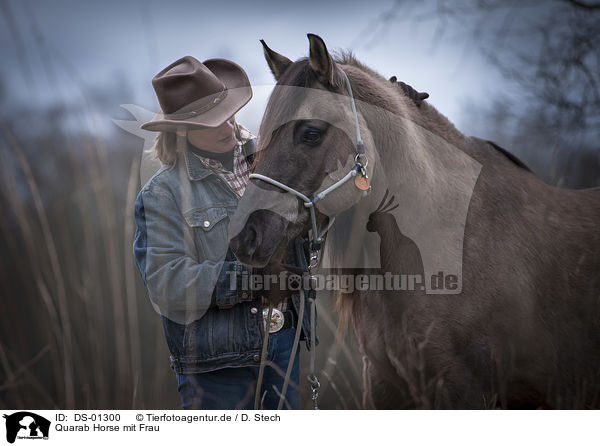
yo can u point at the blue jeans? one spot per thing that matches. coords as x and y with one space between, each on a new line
233 388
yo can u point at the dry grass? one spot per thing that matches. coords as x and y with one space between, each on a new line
78 330
73 308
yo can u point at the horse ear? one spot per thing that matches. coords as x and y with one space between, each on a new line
320 60
277 63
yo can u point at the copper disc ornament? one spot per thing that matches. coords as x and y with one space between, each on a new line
361 182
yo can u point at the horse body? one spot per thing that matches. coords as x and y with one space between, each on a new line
532 258
523 328
524 331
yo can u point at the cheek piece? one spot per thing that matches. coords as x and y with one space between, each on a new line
358 171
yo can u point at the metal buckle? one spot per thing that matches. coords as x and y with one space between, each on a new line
277 320
362 159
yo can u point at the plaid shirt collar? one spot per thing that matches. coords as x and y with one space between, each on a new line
238 178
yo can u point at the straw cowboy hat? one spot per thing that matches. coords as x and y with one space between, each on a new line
196 94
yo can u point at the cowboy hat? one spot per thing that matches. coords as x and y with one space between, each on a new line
198 94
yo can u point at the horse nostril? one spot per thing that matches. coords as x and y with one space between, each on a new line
252 240
251 236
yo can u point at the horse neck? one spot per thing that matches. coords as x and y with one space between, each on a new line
418 151
398 126
420 161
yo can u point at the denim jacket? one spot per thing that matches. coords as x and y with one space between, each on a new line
181 250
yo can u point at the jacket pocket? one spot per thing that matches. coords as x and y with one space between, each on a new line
198 338
215 334
210 231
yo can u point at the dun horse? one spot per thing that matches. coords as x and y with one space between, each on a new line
506 307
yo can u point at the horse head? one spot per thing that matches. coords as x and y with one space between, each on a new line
310 141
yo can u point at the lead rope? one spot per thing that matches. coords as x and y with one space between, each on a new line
312 377
290 365
263 357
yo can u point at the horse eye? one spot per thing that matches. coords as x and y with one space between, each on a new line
311 136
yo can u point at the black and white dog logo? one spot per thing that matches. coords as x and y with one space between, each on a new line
26 425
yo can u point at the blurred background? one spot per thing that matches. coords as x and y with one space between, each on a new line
76 328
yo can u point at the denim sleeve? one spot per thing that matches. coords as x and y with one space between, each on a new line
181 286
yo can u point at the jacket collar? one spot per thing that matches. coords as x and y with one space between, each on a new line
196 169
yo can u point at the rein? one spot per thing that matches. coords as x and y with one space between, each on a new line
361 180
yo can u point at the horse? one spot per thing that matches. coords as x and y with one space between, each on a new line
504 311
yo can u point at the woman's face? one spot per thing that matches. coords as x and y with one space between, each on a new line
218 139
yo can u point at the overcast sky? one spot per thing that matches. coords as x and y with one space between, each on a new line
105 44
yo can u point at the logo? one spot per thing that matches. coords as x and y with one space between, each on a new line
26 425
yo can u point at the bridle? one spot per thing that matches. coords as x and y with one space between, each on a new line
359 172
359 168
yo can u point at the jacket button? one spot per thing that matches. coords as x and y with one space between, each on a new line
244 295
206 223
253 310
256 358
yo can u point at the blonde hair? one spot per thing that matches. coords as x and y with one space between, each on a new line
165 148
167 144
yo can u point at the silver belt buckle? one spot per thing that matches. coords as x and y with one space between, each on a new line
277 320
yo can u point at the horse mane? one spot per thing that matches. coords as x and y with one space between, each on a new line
386 95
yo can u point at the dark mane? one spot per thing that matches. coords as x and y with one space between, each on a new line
346 57
510 156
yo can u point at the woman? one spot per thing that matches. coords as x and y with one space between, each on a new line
213 325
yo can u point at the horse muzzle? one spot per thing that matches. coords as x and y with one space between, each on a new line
261 239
